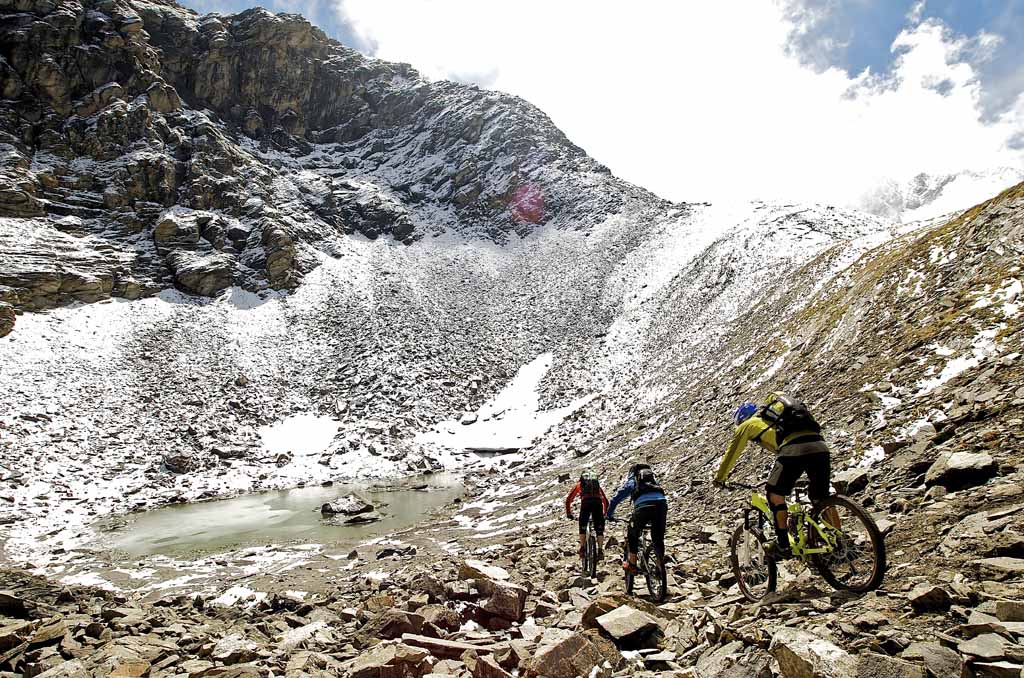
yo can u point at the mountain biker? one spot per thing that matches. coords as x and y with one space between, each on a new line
593 504
650 507
798 451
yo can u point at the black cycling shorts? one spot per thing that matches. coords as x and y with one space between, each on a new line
787 471
654 514
592 508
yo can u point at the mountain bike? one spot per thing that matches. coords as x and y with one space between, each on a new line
589 557
837 537
590 552
648 564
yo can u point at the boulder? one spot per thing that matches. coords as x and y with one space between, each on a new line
445 649
179 463
607 603
470 570
939 660
627 626
1010 610
387 625
440 616
1001 566
390 660
998 670
487 667
303 636
163 98
13 605
69 669
734 660
350 505
504 599
204 274
928 598
175 228
957 470
850 481
987 646
234 649
871 665
574 655
804 655
7 319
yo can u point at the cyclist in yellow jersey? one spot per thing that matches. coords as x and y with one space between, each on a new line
799 448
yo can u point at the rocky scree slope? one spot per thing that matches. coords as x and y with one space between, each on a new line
143 145
911 355
667 375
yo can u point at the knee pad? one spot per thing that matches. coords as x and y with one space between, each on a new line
776 508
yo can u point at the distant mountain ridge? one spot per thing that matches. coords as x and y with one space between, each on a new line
926 196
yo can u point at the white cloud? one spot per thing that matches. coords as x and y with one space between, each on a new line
701 100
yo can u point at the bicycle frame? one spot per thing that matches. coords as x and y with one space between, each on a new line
799 517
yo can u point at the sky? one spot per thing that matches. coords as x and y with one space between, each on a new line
782 99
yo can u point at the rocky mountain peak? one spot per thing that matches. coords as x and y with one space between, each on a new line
267 139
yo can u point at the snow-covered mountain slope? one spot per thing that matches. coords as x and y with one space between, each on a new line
391 342
928 196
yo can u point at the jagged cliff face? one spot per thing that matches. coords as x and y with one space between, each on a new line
144 146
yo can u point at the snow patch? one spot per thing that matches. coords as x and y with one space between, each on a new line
511 420
983 346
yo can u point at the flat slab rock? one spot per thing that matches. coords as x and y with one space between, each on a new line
625 622
804 655
1001 565
985 646
956 470
478 569
939 660
446 649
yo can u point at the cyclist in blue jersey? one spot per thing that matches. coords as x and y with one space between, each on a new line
650 507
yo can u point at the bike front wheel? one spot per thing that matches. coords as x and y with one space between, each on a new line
590 565
756 573
655 575
857 561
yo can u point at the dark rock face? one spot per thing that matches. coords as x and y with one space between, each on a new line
7 319
268 139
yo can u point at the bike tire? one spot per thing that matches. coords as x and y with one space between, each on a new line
821 562
591 568
657 578
772 570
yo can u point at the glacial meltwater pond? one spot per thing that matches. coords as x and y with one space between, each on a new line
279 517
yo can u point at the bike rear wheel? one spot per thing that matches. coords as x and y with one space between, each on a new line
590 564
857 563
756 573
654 574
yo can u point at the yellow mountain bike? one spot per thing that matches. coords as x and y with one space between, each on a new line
837 537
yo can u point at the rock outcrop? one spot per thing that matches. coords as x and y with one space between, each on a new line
268 140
